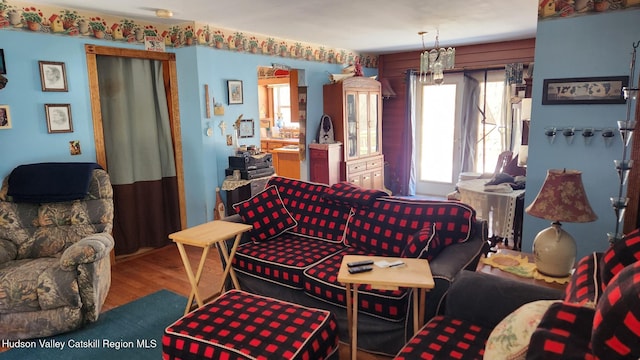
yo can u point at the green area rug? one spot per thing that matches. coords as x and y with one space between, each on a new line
130 331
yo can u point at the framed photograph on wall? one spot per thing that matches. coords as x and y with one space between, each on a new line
3 66
5 117
58 118
234 88
53 76
246 129
591 90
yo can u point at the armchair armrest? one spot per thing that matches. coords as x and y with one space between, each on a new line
8 251
486 299
89 249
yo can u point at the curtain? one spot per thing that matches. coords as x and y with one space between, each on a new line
413 109
470 112
139 150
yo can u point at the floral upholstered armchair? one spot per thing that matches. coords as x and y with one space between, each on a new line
55 269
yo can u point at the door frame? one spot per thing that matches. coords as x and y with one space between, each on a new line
171 87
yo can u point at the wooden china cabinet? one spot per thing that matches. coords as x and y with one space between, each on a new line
355 107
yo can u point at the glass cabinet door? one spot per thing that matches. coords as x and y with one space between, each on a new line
352 126
363 124
374 146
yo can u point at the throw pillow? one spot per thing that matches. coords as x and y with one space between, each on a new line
352 195
424 244
266 212
509 340
619 255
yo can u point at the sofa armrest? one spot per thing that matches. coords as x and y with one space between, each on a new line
485 299
89 249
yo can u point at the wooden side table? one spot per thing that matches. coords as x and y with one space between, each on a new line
204 236
488 269
415 274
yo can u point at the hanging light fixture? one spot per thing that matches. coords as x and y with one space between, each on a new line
435 61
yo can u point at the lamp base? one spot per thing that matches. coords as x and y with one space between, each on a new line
554 251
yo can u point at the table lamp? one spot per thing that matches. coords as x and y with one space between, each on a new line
561 199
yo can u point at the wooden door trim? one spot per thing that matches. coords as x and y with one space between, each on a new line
171 85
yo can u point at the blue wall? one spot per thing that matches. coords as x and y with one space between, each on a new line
581 46
205 158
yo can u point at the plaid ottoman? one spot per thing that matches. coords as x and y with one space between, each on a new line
240 325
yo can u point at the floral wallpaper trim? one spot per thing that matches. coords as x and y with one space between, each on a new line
550 9
70 22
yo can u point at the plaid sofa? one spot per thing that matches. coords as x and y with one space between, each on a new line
296 247
597 318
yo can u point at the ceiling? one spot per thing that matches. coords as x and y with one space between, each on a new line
368 26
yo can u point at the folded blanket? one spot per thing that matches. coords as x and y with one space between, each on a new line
50 182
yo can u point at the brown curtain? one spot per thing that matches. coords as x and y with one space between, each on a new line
139 150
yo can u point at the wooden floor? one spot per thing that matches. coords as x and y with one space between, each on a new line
140 275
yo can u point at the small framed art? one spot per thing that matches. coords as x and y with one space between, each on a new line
5 117
58 118
246 129
234 88
53 76
590 90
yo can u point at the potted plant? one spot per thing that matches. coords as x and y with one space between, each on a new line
218 38
33 18
98 26
69 18
189 35
253 44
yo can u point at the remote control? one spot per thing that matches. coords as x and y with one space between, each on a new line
359 269
360 263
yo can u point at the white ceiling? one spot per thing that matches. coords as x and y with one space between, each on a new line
370 26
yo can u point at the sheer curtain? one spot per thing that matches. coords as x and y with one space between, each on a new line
139 151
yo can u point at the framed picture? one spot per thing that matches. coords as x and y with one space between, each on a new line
5 117
3 67
58 118
53 76
245 128
235 91
592 90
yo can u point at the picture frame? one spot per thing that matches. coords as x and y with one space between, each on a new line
234 88
5 117
3 65
246 129
58 118
53 76
586 90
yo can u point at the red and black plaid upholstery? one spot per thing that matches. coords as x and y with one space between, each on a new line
585 284
239 325
424 244
352 195
620 254
283 260
317 218
266 212
386 226
616 325
563 333
321 282
446 338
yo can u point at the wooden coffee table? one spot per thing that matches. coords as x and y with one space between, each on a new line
415 274
204 236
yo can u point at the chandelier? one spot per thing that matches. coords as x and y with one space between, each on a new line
433 62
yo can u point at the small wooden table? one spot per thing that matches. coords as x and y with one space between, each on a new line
415 274
204 236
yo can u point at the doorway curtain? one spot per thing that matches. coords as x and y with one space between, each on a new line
139 152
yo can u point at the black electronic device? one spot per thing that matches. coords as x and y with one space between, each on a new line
360 269
252 174
360 263
250 162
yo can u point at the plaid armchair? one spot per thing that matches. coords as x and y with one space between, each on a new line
55 269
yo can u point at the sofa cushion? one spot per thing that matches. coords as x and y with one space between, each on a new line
283 261
563 333
352 195
585 285
616 325
446 338
510 339
266 212
317 217
321 282
620 254
385 227
424 244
